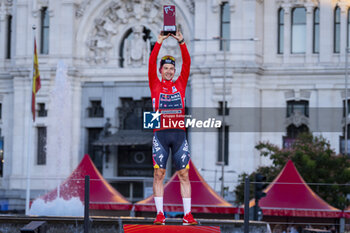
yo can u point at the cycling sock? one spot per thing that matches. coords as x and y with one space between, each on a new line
187 205
159 204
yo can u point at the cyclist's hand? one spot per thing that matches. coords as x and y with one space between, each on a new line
162 37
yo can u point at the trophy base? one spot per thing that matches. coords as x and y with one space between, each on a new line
164 33
169 30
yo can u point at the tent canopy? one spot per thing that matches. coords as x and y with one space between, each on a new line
102 195
289 195
204 198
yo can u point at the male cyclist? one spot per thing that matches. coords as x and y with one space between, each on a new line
168 98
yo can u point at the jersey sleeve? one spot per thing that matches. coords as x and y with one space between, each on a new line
152 66
185 69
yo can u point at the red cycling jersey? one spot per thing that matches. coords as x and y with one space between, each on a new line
167 96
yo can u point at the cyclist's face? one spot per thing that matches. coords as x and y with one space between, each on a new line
168 71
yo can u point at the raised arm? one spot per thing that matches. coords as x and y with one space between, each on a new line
152 64
186 60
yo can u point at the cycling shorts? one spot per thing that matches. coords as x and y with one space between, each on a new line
174 139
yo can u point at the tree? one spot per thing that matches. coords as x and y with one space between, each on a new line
316 163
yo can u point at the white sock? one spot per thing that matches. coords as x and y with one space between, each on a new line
187 205
159 204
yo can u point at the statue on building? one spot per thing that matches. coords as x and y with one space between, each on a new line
136 49
106 129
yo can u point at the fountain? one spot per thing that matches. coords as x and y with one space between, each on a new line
58 148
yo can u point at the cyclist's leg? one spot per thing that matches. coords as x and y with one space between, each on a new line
160 154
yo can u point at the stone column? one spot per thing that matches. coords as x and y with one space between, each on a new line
3 34
309 33
326 38
200 29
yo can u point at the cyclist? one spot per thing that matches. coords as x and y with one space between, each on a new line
168 98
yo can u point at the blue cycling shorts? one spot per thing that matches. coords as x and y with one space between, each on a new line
174 139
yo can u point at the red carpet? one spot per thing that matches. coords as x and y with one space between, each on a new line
170 229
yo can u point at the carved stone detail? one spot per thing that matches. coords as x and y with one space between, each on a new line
216 5
298 2
117 13
5 8
38 4
190 5
136 50
80 8
297 118
99 43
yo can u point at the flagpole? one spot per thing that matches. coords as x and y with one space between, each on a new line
30 126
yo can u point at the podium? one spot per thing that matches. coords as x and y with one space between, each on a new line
131 228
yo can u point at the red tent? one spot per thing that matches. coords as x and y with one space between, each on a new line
204 198
102 195
289 195
347 212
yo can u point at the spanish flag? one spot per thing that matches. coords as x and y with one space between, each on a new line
36 79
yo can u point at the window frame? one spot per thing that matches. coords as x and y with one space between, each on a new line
41 155
336 31
280 31
227 142
8 36
292 30
44 31
224 6
316 35
291 106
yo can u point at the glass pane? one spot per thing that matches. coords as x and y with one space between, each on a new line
298 38
45 41
299 15
225 25
337 38
348 37
46 21
225 12
281 39
9 35
317 16
226 156
337 15
41 151
281 16
225 31
299 107
317 38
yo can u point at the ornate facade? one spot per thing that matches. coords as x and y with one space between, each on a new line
280 54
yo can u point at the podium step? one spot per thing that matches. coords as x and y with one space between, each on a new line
131 228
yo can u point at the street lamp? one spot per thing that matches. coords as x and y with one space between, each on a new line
346 102
222 162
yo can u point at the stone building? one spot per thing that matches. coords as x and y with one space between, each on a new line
279 65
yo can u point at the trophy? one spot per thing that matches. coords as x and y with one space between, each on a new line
169 20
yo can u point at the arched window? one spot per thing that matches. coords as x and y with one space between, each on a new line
225 25
316 31
280 32
298 30
293 131
336 42
44 31
145 35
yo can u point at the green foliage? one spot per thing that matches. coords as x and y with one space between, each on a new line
316 163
